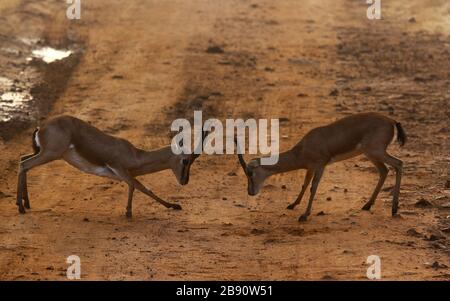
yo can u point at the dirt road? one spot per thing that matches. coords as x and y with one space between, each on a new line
309 62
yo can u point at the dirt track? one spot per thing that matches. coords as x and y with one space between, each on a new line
308 62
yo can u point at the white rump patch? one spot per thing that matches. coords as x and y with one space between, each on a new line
36 139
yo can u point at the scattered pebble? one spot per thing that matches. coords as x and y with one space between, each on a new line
4 195
436 265
446 230
257 231
413 232
334 92
215 50
434 237
438 246
422 203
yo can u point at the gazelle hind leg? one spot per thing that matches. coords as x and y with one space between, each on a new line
25 185
25 166
132 182
129 213
383 157
397 164
383 171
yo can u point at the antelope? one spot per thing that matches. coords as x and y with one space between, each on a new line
365 133
94 152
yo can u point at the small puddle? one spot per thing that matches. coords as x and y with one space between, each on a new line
14 99
13 103
15 95
32 81
49 55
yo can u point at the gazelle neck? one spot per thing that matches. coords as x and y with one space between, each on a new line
154 161
287 161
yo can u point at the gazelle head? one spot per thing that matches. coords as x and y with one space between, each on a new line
183 163
255 174
182 167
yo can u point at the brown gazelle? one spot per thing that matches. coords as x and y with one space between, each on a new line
95 152
365 133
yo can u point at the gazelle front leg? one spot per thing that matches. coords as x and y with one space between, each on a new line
148 192
308 177
315 183
125 176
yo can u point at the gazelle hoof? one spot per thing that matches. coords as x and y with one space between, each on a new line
396 215
176 207
290 207
303 218
128 214
21 210
27 206
366 207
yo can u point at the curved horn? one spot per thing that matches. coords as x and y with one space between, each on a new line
241 158
243 164
204 135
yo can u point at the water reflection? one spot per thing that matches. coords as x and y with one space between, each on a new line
49 55
13 103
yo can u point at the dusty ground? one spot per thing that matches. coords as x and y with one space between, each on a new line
308 62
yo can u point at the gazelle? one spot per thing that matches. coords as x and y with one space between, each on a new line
95 152
365 133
